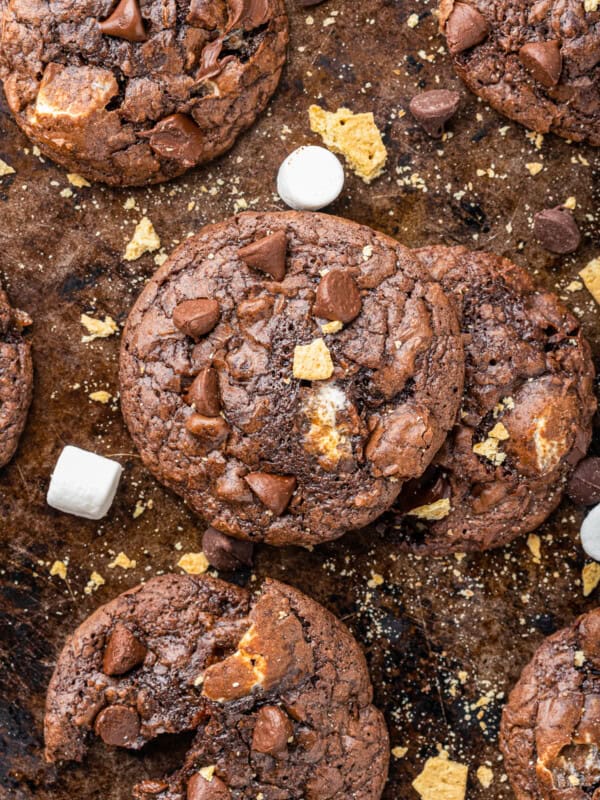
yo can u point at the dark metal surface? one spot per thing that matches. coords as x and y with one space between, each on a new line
440 635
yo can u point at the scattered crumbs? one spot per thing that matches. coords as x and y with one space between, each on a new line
355 136
193 563
59 568
312 362
442 779
579 658
490 449
207 773
77 180
570 203
590 275
432 511
399 752
413 21
536 139
123 561
463 676
485 776
591 577
499 432
145 240
534 543
97 328
375 581
160 258
332 327
66 192
129 204
95 582
574 286
534 167
5 169
100 396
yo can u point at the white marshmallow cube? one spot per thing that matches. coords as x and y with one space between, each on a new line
83 483
590 534
310 178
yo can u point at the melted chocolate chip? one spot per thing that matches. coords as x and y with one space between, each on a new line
123 652
210 65
271 731
118 726
543 60
199 788
584 486
274 491
125 22
267 255
338 297
433 109
179 138
203 394
556 230
196 318
212 430
224 552
465 28
249 14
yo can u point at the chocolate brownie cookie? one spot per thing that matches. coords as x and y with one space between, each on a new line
536 61
275 687
285 373
526 415
16 377
550 730
139 91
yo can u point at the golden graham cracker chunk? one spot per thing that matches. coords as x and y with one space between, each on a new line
312 362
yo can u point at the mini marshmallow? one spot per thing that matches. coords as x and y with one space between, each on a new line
83 483
310 178
590 534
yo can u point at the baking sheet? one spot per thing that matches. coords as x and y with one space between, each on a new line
445 638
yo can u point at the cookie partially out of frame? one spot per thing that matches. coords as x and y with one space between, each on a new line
286 373
526 416
16 378
275 687
139 91
536 61
550 730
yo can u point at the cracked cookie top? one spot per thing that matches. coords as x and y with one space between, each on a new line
139 91
275 687
286 373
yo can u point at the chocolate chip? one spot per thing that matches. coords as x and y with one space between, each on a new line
433 109
125 22
543 60
123 652
224 552
271 731
248 14
267 254
338 297
203 394
556 230
211 64
584 486
274 491
196 318
465 28
177 137
118 726
199 788
212 430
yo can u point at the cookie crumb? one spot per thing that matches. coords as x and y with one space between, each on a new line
193 563
145 240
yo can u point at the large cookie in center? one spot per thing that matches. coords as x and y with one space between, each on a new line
286 373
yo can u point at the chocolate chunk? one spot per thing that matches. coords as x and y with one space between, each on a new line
465 28
274 491
556 230
200 788
433 109
196 318
338 297
248 14
584 486
210 63
118 726
212 430
179 138
123 652
125 22
272 731
204 393
224 552
267 254
543 60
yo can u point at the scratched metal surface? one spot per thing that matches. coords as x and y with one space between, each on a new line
439 635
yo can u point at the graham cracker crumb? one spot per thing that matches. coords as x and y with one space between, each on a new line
97 328
442 779
591 577
485 776
100 396
77 180
432 511
5 169
123 561
312 362
590 275
59 568
145 240
193 563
